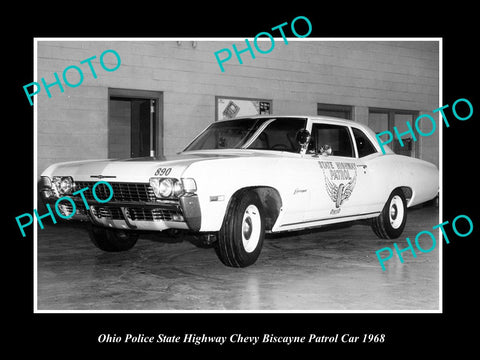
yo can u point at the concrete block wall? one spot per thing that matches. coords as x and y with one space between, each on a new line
73 125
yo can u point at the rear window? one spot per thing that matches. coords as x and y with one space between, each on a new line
364 145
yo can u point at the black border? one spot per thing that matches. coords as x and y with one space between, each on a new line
77 333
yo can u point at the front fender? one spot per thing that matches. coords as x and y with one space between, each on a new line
218 181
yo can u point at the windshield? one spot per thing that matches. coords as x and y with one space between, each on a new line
231 134
276 134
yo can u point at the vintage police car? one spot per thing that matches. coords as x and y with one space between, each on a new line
243 177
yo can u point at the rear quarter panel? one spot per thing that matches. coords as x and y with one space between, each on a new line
391 171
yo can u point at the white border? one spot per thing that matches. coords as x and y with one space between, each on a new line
440 170
35 176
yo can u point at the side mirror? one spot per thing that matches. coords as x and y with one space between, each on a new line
303 137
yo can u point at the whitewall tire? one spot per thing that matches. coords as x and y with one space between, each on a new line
240 239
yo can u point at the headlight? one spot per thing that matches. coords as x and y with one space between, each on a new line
162 188
171 188
165 187
45 187
63 184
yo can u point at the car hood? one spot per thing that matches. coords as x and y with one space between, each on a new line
141 169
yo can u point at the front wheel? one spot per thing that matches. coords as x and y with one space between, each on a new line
112 240
240 239
391 221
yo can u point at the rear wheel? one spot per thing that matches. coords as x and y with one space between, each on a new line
391 221
112 240
240 239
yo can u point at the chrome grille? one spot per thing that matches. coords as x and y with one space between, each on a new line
112 213
137 213
153 214
121 191
66 208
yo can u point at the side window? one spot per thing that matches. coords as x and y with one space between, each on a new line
280 135
364 146
332 140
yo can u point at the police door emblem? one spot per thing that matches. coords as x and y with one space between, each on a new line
340 179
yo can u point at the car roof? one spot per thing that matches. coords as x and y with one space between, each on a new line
326 119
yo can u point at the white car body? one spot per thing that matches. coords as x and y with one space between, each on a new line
297 190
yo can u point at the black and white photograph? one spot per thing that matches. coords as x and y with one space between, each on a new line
268 184
190 173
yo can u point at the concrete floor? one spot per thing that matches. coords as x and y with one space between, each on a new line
329 269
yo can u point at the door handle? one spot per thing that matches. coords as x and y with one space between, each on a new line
364 167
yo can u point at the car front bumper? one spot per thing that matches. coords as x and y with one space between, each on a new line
133 206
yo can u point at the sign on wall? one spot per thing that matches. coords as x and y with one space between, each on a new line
229 108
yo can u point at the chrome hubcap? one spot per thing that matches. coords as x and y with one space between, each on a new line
247 228
251 228
393 212
396 212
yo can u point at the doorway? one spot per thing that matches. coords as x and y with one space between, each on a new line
380 120
135 124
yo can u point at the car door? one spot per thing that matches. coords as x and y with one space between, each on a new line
368 154
339 185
